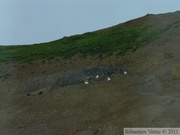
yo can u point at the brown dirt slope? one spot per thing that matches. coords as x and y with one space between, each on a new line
148 96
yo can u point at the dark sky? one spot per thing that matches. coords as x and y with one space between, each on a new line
36 21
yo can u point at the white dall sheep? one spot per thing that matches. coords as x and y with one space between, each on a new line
86 82
108 79
125 72
97 76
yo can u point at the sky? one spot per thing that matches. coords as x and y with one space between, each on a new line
35 21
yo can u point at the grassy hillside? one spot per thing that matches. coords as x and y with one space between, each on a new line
116 40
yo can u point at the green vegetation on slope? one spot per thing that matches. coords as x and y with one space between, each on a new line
117 40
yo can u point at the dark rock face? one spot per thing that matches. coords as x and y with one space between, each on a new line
73 77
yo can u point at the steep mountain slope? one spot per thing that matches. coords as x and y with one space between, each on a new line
114 40
43 93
